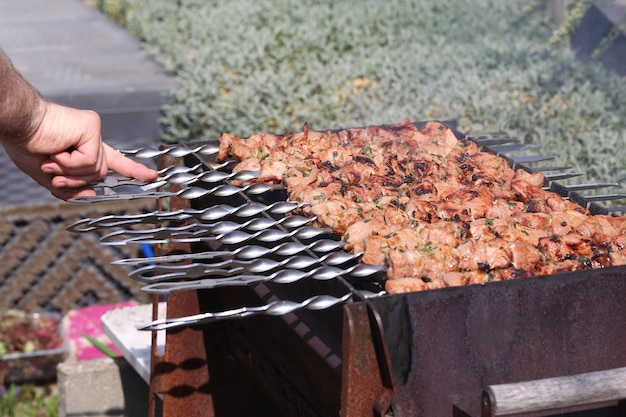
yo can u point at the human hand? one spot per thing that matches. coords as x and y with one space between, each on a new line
66 152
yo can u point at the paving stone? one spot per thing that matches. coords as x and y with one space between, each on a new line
100 388
598 22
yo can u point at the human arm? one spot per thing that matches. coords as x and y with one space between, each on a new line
61 148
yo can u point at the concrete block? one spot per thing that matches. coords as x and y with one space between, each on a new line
101 388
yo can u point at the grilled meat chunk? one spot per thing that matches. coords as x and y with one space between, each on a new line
434 209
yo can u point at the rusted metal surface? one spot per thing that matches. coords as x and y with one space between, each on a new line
447 345
367 387
180 375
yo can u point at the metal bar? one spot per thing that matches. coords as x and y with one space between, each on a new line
482 142
563 176
530 159
276 308
590 186
551 168
605 197
515 147
366 389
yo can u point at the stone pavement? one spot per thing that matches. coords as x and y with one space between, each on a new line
76 56
603 19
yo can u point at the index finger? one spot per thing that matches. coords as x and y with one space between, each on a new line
126 166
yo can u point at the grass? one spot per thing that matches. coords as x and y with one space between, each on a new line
246 67
29 400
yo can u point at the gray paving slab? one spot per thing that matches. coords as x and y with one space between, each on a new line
615 10
77 57
64 45
600 22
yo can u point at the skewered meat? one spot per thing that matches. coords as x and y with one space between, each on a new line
434 209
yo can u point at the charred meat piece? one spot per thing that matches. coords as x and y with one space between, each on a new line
434 209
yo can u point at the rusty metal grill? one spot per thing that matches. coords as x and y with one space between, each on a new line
263 306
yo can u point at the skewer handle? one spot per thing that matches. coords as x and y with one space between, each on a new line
554 393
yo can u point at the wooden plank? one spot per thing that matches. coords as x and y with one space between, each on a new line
556 393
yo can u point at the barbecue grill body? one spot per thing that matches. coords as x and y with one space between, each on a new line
443 347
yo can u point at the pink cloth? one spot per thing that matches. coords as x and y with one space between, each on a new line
87 320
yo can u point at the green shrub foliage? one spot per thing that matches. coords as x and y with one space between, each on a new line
250 66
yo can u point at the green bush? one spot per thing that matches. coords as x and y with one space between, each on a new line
248 66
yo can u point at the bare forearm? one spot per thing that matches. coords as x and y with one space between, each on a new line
21 105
